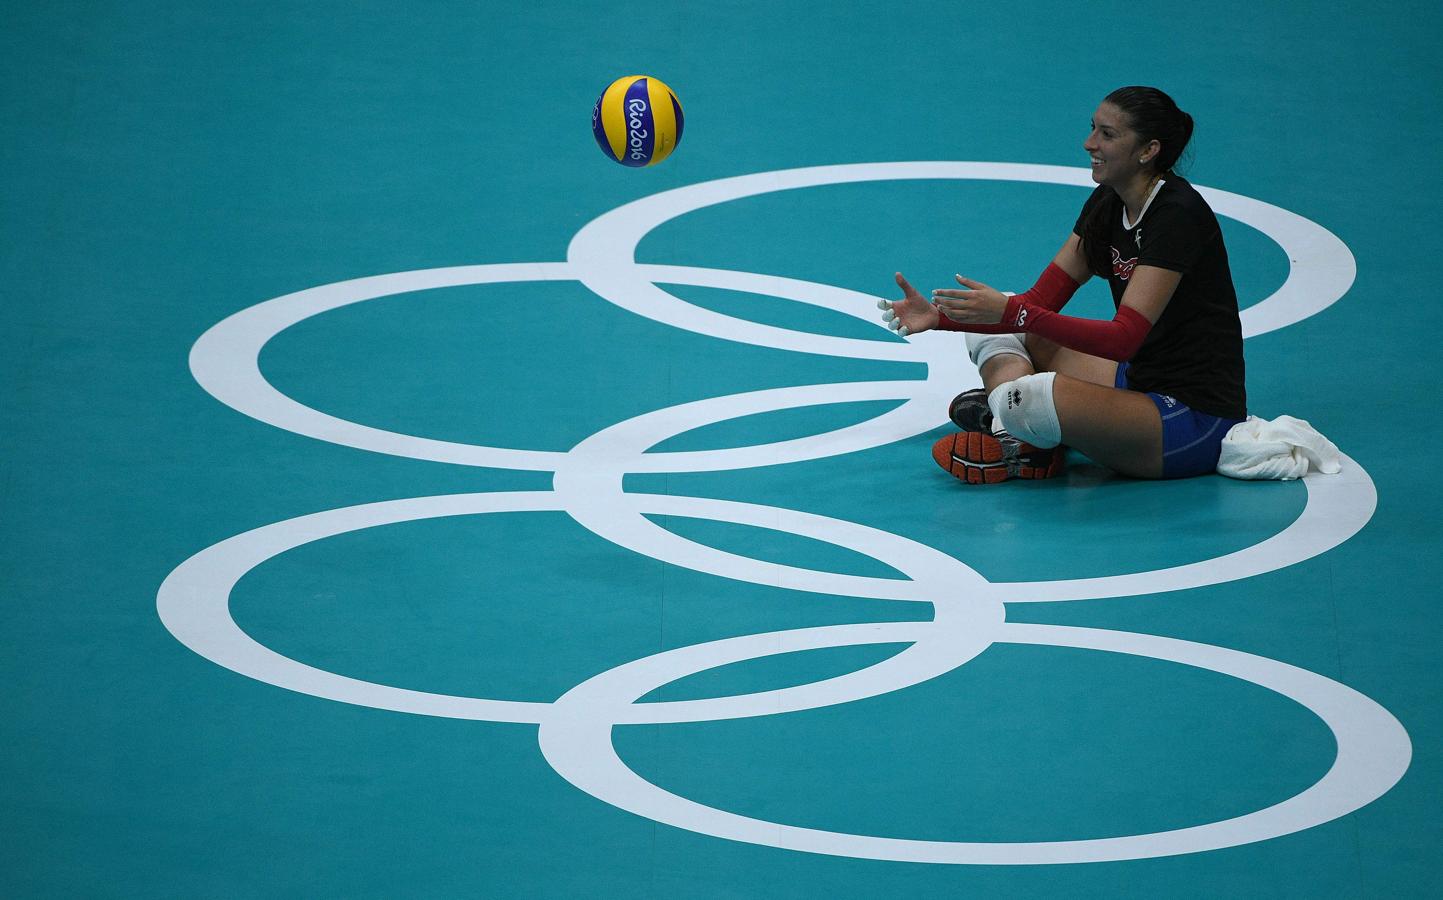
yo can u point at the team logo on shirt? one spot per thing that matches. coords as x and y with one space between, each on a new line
1122 268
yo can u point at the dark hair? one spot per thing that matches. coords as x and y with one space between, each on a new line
1153 115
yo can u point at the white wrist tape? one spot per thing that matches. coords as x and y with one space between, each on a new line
1024 407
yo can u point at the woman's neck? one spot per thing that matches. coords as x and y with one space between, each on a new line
1134 194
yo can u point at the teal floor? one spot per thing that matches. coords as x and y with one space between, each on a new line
166 166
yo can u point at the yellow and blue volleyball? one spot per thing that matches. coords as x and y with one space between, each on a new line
637 121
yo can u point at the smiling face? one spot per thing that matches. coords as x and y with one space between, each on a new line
1119 156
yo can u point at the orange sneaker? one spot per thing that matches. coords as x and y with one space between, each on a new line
977 457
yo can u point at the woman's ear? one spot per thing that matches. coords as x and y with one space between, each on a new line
1149 152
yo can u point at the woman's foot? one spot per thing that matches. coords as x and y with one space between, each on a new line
978 455
980 458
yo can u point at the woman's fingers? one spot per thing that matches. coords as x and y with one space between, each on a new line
906 286
889 313
956 310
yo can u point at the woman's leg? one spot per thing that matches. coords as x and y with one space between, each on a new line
1120 429
1050 357
1047 356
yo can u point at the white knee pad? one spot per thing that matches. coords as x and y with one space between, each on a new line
1024 407
982 347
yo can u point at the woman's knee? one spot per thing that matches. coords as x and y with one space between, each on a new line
1051 357
1026 409
983 348
1042 351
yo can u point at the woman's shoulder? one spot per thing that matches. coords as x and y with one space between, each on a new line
1179 200
1178 191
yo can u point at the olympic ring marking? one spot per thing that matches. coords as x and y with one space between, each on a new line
1373 753
615 450
225 359
182 611
193 602
1338 506
1373 750
1321 269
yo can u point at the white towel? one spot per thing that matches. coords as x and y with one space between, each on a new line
1281 449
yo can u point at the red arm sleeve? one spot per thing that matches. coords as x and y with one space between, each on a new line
1117 339
1053 289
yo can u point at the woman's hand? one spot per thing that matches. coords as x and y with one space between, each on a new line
980 305
911 314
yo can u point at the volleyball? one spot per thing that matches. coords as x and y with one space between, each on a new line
637 121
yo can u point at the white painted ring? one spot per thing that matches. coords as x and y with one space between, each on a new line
1373 753
1321 267
194 605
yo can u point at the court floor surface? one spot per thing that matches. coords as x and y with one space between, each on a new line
401 499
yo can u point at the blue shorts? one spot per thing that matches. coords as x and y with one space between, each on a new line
1191 440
